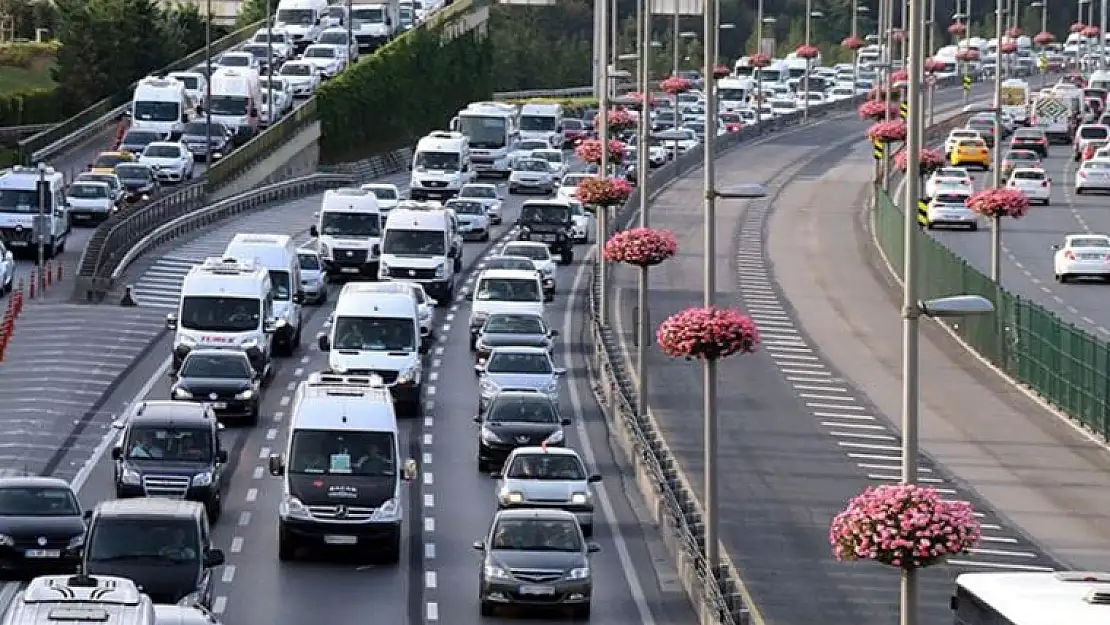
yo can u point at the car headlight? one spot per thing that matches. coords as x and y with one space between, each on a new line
325 251
247 394
555 438
6 540
552 388
513 497
441 271
130 476
180 393
496 572
490 436
292 508
408 375
488 387
579 499
76 542
579 573
202 479
387 511
249 343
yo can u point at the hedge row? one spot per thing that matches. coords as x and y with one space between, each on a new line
407 88
40 106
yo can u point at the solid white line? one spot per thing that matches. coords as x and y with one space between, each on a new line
999 565
1003 552
841 415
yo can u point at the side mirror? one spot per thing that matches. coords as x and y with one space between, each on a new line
1055 246
477 418
323 342
87 515
479 545
298 297
276 466
564 422
593 548
470 297
495 475
221 456
553 332
117 453
410 470
214 557
269 326
594 479
171 321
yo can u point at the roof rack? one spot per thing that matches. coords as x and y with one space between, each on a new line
339 380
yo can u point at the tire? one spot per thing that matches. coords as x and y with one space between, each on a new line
974 227
1048 202
485 237
297 337
287 549
567 257
486 608
588 530
252 417
473 342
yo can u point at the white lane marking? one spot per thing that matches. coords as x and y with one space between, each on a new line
229 574
258 473
432 610
284 401
429 525
271 434
429 551
429 478
237 544
430 580
219 604
264 453
244 518
252 494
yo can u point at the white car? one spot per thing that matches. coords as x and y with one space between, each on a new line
748 117
580 222
1082 256
488 194
542 260
283 93
532 174
783 107
568 186
959 134
1092 175
240 60
947 178
338 37
815 99
171 160
328 60
281 43
473 220
1034 183
524 149
388 197
554 160
303 78
90 201
690 142
658 153
950 209
839 94
424 307
196 84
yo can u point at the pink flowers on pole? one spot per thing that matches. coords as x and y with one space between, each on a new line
759 60
721 71
997 203
1044 38
903 525
590 151
877 110
1077 27
899 77
707 334
957 28
928 161
1008 47
1090 31
887 132
1013 33
603 191
807 52
620 121
934 65
969 54
852 43
675 85
643 247
639 98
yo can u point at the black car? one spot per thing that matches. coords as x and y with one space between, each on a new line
222 378
548 221
164 546
517 419
538 559
170 449
136 140
139 182
512 330
197 134
1030 139
41 529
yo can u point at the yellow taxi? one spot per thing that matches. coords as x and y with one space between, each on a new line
106 162
971 152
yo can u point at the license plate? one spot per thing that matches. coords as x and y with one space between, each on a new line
341 540
43 553
348 269
17 243
220 405
537 590
1092 256
482 166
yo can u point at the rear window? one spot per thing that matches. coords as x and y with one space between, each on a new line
973 143
1097 166
1029 175
951 198
1094 132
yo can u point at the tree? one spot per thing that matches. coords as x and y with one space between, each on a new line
251 11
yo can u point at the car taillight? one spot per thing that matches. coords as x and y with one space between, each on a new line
1069 255
1044 183
965 182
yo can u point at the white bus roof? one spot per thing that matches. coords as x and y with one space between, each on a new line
358 302
407 217
1034 598
24 178
331 401
227 277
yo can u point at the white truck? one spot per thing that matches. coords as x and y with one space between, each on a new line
20 204
373 25
491 129
1054 116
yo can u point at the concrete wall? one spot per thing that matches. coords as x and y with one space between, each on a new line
299 156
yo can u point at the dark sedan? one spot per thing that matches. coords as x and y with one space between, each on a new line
1030 139
197 134
517 419
512 330
223 378
135 141
41 526
138 181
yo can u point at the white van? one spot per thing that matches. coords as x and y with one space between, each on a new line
302 20
161 105
377 331
440 166
101 599
504 291
542 122
278 255
196 85
225 304
374 25
348 233
342 471
421 244
237 100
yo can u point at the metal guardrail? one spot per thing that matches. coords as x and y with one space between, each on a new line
7 133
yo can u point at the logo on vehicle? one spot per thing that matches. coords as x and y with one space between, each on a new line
42 541
213 396
350 254
341 512
412 273
522 439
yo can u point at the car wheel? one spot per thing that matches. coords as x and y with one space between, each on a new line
1047 202
215 507
392 552
1061 278
483 465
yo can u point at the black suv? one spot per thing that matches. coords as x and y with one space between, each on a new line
164 546
170 449
548 221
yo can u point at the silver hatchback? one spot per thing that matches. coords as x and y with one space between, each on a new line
518 369
313 281
548 477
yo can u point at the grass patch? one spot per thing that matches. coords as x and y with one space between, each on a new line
25 67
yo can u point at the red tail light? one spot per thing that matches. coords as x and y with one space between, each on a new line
1044 183
1069 255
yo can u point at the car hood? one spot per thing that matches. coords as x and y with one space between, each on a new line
552 560
522 433
159 162
132 185
164 581
46 526
320 62
167 467
545 490
100 202
507 381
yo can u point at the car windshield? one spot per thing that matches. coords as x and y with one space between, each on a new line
1028 134
467 208
327 52
162 151
158 442
729 118
517 362
1022 156
414 243
333 38
156 111
38 501
521 410
485 193
212 313
136 138
536 535
534 252
88 191
258 52
508 290
575 180
544 214
532 165
310 262
343 224
280 285
573 124
369 15
1090 242
109 179
1029 175
502 262
551 156
529 146
564 467
132 172
296 69
228 105
1093 132
230 366
168 541
384 193
343 452
514 324
379 334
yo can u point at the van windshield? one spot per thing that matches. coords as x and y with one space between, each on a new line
414 243
168 540
537 123
208 313
340 224
279 285
297 17
369 15
376 334
157 111
346 452
439 161
228 105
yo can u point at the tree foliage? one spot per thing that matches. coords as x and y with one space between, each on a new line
27 16
250 11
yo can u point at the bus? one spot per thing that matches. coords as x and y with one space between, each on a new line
1032 598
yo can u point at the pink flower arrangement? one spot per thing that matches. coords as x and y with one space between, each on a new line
1013 33
1090 31
1077 27
887 132
969 54
1008 47
934 65
899 77
852 43
897 34
957 28
997 203
759 59
1044 38
603 191
589 151
807 52
707 334
721 71
643 247
903 525
928 161
877 110
639 98
675 85
619 120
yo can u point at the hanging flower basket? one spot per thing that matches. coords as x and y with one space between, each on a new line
639 98
1077 27
999 203
1008 47
877 110
903 525
675 85
957 28
898 78
620 121
590 151
721 71
603 191
643 247
807 52
1013 33
1090 31
967 55
928 161
887 132
759 60
897 35
852 43
1044 38
707 334
934 65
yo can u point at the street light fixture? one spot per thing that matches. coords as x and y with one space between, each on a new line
810 16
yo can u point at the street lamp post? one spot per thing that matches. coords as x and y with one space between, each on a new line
40 224
208 84
270 66
1044 13
349 22
856 11
602 23
810 15
675 36
996 175
770 21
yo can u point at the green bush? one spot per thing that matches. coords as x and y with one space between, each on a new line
413 85
40 106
